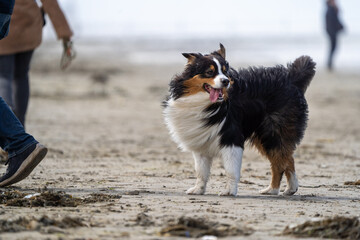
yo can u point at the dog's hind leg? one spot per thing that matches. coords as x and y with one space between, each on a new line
277 169
202 168
292 182
276 176
232 157
281 162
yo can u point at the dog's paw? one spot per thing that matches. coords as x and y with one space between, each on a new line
289 191
292 185
270 191
229 191
196 190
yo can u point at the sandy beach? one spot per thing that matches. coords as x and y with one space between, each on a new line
102 122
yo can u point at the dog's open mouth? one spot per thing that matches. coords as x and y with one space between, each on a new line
216 94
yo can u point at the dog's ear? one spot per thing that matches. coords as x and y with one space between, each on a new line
221 51
190 56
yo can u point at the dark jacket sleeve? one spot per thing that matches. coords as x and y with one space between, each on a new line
333 24
6 6
58 19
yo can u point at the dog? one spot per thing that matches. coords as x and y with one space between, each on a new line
212 109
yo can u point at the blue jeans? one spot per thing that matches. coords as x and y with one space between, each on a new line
13 138
4 24
14 82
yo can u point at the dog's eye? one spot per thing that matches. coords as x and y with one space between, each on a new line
209 73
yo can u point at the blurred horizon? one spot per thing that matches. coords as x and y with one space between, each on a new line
255 32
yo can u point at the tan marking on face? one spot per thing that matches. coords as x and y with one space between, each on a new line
211 68
225 92
195 84
223 69
231 81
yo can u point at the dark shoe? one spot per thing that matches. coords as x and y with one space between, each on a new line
22 165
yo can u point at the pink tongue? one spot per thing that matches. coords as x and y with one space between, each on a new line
214 94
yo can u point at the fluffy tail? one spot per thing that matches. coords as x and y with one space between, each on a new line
301 72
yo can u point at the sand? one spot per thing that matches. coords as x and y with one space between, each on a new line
103 125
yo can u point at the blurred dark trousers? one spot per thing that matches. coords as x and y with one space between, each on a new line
14 82
13 137
333 41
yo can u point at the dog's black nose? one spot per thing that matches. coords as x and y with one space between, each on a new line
225 81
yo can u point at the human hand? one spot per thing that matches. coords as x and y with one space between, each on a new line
68 53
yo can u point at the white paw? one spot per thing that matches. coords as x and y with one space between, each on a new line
289 191
196 190
270 191
229 191
292 185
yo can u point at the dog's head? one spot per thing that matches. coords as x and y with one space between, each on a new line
203 74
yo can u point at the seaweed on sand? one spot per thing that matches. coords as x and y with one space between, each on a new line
49 198
337 227
39 224
198 227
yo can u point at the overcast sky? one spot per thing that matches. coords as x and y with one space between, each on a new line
200 18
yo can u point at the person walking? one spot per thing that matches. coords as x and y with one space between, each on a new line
333 27
24 152
17 48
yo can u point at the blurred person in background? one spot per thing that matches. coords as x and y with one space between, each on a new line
24 152
17 49
333 27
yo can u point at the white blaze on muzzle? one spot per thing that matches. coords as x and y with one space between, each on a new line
220 77
220 82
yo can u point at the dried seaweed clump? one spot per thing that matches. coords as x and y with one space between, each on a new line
45 199
100 197
336 227
9 195
198 227
48 198
355 183
34 224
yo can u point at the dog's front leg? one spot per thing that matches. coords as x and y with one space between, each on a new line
232 158
202 168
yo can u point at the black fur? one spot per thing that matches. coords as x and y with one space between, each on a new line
266 105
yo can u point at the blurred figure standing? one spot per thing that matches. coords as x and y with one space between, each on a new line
16 50
333 27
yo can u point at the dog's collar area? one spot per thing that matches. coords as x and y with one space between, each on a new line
216 94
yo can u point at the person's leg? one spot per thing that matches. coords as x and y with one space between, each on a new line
13 137
6 77
21 88
25 153
332 38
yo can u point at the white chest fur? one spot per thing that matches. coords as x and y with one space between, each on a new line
185 119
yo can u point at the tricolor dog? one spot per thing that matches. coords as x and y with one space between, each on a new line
212 109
